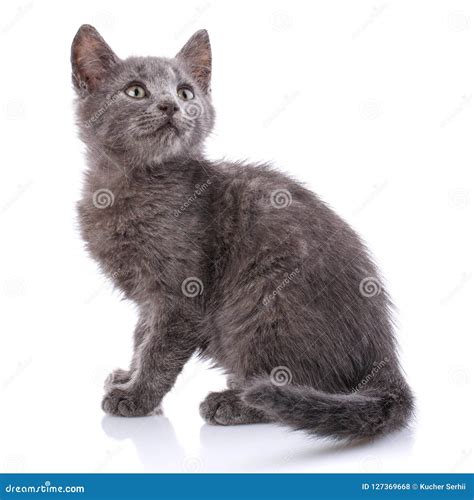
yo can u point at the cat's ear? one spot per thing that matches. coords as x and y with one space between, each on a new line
91 59
196 54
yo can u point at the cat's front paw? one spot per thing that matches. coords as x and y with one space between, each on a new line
117 377
127 403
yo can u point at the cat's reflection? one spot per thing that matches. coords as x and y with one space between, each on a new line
271 448
154 438
251 448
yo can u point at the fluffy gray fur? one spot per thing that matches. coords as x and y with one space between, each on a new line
233 261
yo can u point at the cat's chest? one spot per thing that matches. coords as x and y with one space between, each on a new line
142 240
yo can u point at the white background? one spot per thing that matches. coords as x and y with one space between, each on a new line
368 102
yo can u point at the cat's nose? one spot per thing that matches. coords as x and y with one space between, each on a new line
168 107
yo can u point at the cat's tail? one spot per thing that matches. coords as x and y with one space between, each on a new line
357 415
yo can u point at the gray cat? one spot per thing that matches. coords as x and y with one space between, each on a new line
233 261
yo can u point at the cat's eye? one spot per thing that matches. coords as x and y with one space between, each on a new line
136 91
185 93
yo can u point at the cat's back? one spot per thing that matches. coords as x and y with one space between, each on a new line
259 205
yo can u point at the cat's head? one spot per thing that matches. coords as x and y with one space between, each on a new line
148 108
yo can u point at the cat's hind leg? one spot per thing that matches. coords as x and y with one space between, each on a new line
226 408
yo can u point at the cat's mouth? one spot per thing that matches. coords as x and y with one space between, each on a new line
167 127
